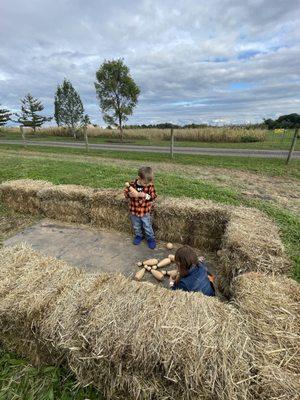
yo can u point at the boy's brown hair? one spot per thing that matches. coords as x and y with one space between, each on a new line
146 174
185 258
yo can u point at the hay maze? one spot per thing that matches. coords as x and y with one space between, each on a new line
139 341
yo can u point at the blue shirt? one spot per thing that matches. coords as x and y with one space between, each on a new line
196 281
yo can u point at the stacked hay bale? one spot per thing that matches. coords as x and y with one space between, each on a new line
246 240
110 210
69 203
270 310
29 286
198 223
21 195
128 339
251 242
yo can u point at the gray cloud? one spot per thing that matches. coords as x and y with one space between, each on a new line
194 61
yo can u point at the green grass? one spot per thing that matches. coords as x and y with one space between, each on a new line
20 381
265 166
273 141
80 173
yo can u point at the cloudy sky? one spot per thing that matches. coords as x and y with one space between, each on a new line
217 61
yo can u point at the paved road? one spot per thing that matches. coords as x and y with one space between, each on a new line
161 149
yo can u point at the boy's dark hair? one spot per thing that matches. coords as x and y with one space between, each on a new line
185 258
146 174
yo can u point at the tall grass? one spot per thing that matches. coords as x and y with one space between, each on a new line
207 134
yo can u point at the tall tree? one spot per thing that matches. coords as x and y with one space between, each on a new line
4 116
29 113
117 92
57 106
68 106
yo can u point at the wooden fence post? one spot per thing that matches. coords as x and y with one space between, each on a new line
23 135
293 145
86 139
172 143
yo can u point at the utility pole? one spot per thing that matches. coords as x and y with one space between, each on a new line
86 139
23 135
172 143
293 145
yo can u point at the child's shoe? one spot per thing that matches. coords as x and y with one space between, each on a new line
137 240
151 244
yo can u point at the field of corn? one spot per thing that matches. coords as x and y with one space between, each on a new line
207 134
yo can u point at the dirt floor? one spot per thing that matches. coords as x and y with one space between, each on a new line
11 223
281 191
93 250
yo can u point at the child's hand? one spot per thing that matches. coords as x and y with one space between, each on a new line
201 259
145 196
133 194
171 281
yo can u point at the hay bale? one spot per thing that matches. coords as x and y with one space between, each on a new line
141 341
69 203
110 210
275 383
128 339
270 309
198 223
246 239
21 195
251 242
29 285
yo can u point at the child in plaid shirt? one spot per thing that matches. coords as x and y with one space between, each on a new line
140 205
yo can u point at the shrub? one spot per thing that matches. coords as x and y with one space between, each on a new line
249 139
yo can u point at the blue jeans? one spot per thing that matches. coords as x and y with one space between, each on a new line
139 223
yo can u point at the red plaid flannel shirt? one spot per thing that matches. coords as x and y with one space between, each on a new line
139 206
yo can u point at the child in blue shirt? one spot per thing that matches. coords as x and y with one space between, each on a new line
192 274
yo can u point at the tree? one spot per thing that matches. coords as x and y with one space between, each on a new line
57 106
29 113
86 120
117 92
4 116
288 121
68 107
270 123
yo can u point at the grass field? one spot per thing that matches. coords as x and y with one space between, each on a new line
221 179
266 166
272 140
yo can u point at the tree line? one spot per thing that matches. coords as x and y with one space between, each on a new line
284 121
115 89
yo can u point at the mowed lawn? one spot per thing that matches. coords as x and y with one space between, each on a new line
19 380
263 166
